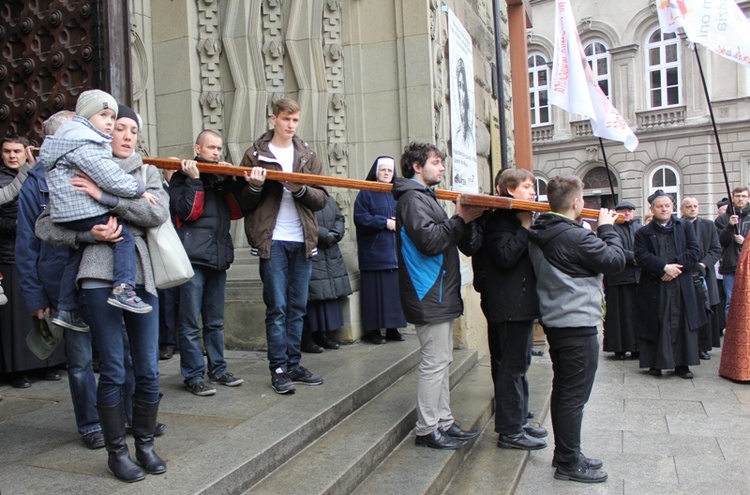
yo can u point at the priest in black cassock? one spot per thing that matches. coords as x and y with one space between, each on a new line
703 273
666 250
621 289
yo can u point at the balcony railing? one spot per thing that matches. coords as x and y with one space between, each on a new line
581 128
661 117
542 133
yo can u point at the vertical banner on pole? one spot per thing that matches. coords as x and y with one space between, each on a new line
463 133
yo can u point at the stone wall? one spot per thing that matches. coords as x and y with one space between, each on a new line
370 76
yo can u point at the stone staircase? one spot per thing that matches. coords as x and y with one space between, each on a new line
353 434
368 447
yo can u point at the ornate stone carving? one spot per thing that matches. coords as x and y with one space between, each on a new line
209 55
334 70
273 45
592 153
439 42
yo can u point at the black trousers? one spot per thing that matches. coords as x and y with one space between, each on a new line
510 357
574 363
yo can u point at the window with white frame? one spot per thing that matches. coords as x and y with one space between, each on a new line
663 69
539 90
597 56
541 189
667 179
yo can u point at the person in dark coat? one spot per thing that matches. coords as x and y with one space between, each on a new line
570 261
15 321
666 250
504 276
621 289
704 274
375 220
203 206
41 269
430 287
733 226
721 317
329 282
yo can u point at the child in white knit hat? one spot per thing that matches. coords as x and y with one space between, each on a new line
82 146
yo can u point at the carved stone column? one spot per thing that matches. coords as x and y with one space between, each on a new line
177 76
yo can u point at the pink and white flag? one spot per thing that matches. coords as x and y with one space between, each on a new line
719 25
574 87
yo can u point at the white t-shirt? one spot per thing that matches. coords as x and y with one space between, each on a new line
288 225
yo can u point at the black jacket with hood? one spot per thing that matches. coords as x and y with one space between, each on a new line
429 271
569 262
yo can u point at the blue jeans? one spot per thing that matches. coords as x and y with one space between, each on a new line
286 277
82 381
108 326
123 259
728 286
202 297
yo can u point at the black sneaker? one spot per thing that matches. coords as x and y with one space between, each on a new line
228 379
281 383
302 376
123 296
200 388
70 320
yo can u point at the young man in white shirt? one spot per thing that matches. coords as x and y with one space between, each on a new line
282 230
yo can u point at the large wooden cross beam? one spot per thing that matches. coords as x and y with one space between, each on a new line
366 185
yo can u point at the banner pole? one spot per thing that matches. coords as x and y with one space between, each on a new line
609 175
730 209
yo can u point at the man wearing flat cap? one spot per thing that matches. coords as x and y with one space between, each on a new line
621 288
704 275
667 250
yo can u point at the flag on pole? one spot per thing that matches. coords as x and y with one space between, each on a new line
718 25
574 87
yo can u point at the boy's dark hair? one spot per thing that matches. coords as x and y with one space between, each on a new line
740 189
417 153
511 178
561 191
15 138
287 105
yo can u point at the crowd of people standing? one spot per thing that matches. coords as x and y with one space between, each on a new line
93 253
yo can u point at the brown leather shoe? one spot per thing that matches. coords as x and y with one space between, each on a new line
166 353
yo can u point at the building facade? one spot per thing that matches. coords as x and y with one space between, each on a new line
654 81
370 76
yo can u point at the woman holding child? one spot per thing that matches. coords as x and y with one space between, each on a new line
108 322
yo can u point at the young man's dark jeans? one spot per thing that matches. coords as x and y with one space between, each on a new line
574 362
123 260
202 301
286 277
510 355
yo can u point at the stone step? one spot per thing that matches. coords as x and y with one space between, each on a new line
232 462
495 470
416 470
344 456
